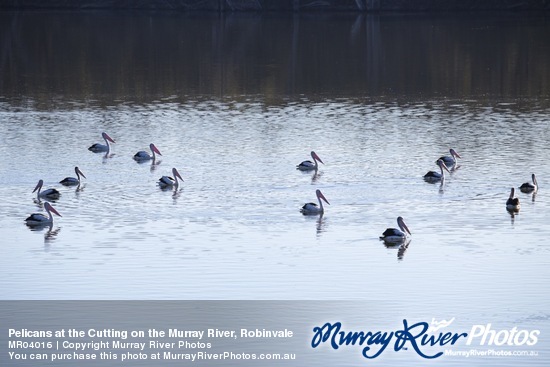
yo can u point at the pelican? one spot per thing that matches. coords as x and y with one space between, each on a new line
96 148
450 160
38 219
166 181
528 186
309 165
312 208
71 181
512 203
394 235
144 156
49 193
433 176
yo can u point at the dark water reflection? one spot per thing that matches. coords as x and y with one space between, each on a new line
142 57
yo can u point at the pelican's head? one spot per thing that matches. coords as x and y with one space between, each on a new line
454 153
176 173
38 185
154 149
321 196
50 208
107 137
316 157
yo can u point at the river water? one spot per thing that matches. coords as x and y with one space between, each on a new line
235 102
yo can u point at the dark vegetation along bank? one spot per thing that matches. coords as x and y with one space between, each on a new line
284 5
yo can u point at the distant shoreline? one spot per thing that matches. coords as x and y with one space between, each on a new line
282 5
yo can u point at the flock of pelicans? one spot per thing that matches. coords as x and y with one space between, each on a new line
390 235
39 219
400 235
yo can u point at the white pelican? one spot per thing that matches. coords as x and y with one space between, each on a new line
530 187
450 160
312 208
38 219
309 165
144 156
433 176
49 193
166 181
394 235
71 181
96 148
512 203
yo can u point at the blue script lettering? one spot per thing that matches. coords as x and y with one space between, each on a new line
332 332
339 338
405 335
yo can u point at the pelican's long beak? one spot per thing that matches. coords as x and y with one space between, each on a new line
80 172
316 157
406 228
402 225
176 173
154 148
38 185
442 164
108 137
323 197
52 209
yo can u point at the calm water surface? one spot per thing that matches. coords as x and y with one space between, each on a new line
236 118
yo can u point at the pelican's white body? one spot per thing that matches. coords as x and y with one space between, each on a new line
394 235
142 155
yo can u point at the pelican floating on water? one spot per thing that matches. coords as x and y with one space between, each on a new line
512 203
394 235
309 165
71 181
450 160
166 181
433 176
530 187
97 148
48 193
38 219
312 208
142 155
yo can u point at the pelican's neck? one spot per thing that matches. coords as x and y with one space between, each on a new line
38 192
50 215
108 145
154 157
77 175
442 173
320 204
314 161
535 182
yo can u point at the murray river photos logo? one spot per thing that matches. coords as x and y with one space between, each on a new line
425 339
